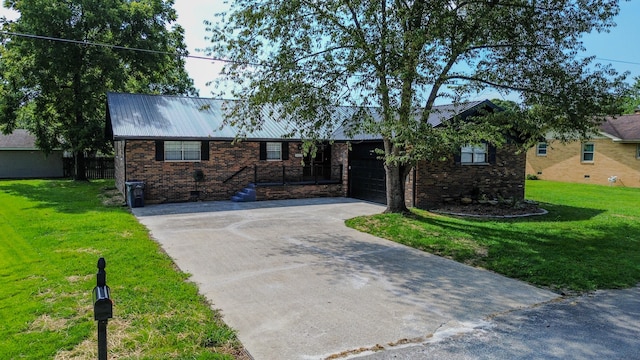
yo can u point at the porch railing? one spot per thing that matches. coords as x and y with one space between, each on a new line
235 174
309 174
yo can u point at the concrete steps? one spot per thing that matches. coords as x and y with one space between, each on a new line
247 194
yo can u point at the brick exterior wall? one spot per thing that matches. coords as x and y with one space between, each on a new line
445 181
229 169
563 163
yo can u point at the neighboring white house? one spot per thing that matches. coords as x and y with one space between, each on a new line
20 158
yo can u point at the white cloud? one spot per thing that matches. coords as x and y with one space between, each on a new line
191 16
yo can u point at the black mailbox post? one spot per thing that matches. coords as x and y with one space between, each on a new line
102 308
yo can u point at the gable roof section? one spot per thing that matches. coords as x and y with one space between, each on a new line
139 116
625 128
18 140
438 115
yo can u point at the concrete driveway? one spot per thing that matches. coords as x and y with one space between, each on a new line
296 283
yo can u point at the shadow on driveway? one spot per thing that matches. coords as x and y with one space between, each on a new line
296 283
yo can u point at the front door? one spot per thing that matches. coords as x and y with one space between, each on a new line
318 167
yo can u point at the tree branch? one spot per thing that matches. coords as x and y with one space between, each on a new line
361 34
320 53
496 85
499 46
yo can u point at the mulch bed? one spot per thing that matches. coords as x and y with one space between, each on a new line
489 210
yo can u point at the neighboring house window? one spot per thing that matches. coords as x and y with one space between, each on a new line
588 151
638 151
274 151
541 149
474 154
182 150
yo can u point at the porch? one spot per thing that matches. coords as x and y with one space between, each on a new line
289 182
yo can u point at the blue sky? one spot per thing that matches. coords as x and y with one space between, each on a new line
619 47
621 43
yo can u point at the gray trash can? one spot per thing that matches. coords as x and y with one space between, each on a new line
135 193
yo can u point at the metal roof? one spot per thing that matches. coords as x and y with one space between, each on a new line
437 116
162 117
139 116
18 140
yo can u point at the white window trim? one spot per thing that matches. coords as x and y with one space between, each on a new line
638 151
592 152
182 151
272 145
538 148
475 150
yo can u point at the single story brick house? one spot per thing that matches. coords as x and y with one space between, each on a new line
21 159
612 157
180 149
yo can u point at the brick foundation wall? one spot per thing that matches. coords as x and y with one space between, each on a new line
445 181
282 192
229 169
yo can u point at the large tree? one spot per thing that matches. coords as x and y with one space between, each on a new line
60 58
631 102
405 56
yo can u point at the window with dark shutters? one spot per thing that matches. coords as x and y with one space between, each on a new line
272 150
182 150
482 154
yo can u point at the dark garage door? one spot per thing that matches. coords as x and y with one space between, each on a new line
366 173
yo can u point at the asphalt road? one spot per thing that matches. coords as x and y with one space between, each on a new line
600 325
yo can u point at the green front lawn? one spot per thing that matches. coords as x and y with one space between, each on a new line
52 235
589 240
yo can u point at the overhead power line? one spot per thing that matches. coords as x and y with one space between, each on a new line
118 47
619 61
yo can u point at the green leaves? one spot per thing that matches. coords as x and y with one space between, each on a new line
56 84
404 55
631 100
407 56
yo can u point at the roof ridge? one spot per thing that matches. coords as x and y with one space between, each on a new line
475 102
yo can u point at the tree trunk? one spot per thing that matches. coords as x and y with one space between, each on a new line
395 181
80 168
